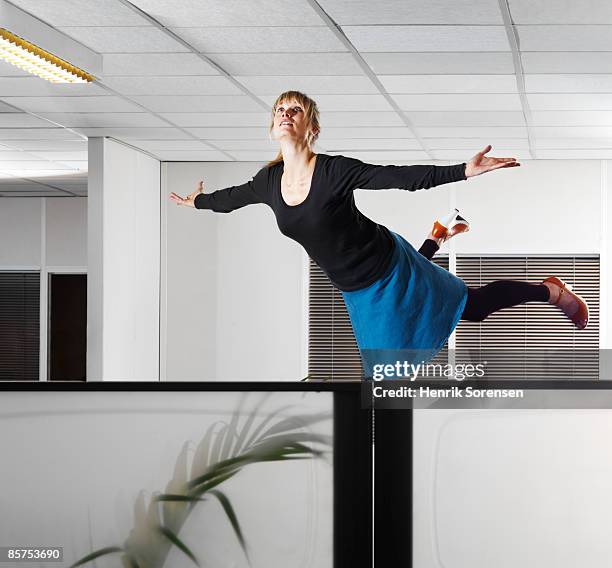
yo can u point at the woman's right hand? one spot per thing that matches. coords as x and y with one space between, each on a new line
189 201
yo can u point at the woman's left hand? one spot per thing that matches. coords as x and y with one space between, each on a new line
480 163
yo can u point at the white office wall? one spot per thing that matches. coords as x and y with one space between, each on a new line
98 452
232 285
20 231
66 231
124 263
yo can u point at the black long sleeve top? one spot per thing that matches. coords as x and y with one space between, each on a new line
351 249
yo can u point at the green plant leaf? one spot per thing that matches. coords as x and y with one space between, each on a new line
174 539
200 459
246 427
233 519
205 487
172 497
96 554
294 423
265 422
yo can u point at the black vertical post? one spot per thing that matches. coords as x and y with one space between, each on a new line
393 488
352 481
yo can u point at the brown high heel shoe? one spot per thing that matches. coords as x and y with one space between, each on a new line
577 310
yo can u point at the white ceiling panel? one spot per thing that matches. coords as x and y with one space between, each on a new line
476 144
313 85
263 144
261 40
565 38
360 119
473 132
8 70
332 103
351 132
31 174
196 103
191 156
81 12
125 39
103 119
570 101
427 38
458 62
572 118
449 83
561 12
345 144
280 64
78 165
202 13
462 156
21 120
35 87
156 64
467 118
17 156
61 156
229 133
135 133
572 131
7 107
228 119
71 104
171 145
7 165
253 155
570 154
7 135
568 83
42 145
566 62
161 86
573 143
459 102
355 12
386 156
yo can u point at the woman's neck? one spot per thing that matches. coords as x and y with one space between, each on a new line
296 160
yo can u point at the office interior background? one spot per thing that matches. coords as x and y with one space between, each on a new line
104 264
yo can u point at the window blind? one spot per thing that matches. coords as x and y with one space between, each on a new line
332 350
534 340
19 325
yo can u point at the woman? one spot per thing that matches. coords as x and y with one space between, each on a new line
395 297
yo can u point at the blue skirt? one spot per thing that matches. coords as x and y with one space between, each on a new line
407 314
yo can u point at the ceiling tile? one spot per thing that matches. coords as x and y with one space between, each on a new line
125 39
440 63
332 103
191 156
35 87
253 156
561 12
37 145
449 83
565 38
458 102
573 143
570 101
11 134
473 132
366 132
195 103
572 118
467 118
155 146
427 38
280 64
81 12
71 104
566 62
8 165
358 144
331 132
161 86
229 133
32 174
135 133
156 64
8 70
22 120
474 145
313 85
17 156
572 131
76 165
355 12
360 119
202 13
255 145
568 83
102 119
261 40
61 156
572 154
195 119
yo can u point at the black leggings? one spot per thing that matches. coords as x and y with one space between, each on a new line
483 301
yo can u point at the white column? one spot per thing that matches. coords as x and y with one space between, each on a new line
123 263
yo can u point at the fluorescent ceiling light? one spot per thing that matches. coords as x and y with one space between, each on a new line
31 58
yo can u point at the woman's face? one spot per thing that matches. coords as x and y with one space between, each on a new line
290 122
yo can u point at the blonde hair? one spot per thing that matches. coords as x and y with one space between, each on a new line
311 112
